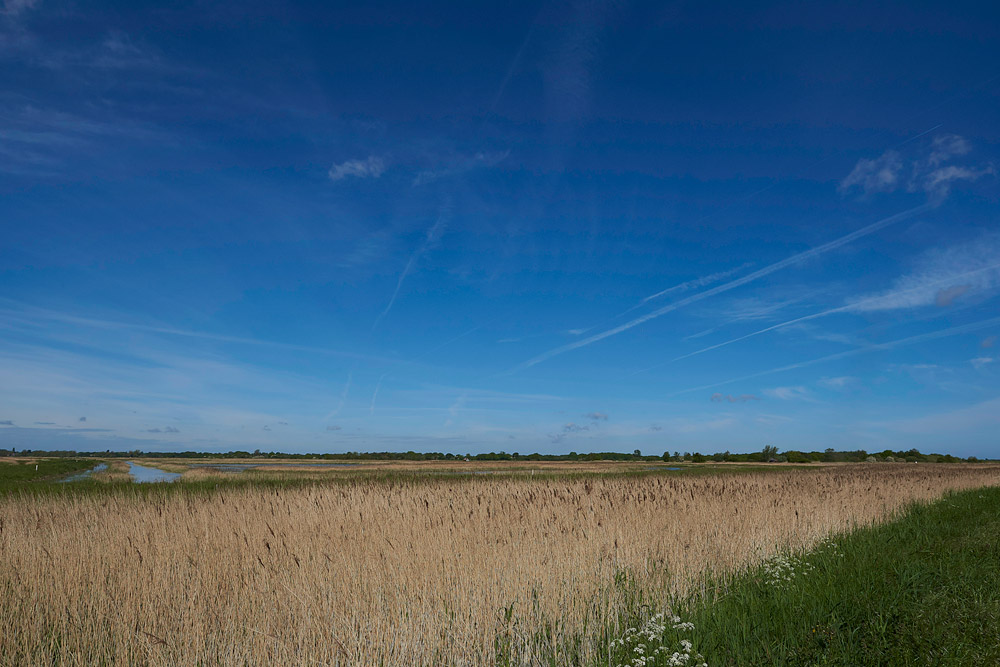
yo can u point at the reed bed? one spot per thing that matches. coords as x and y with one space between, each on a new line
117 471
432 571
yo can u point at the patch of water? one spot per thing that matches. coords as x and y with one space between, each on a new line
144 474
76 477
663 468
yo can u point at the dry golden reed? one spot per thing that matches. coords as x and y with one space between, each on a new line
437 571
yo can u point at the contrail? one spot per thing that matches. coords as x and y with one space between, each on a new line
43 313
449 342
760 273
943 333
429 238
343 396
375 394
690 284
831 311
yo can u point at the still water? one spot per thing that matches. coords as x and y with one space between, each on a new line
144 474
86 473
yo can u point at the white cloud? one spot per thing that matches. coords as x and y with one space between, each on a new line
878 175
841 382
947 146
788 393
979 362
370 167
929 171
939 181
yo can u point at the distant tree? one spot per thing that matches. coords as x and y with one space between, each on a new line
769 452
666 456
698 458
637 453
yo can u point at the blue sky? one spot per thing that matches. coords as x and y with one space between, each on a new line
543 227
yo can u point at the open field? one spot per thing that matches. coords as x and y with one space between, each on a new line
405 569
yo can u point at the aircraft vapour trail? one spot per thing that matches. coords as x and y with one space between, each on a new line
378 384
910 340
432 234
733 284
841 309
690 284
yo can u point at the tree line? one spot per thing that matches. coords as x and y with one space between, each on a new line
768 454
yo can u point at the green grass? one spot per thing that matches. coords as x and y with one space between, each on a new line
19 475
923 589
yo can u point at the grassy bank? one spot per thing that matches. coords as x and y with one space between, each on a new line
21 474
921 590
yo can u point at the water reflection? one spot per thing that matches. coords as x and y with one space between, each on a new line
80 476
144 474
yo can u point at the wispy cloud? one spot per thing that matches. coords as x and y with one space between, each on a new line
917 290
788 393
902 342
16 7
747 309
567 72
980 362
371 167
6 422
945 147
941 276
881 174
455 408
40 141
597 416
458 165
940 181
839 383
927 170
120 51
756 275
